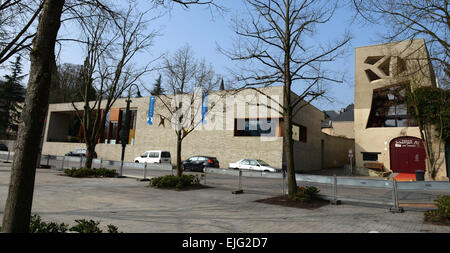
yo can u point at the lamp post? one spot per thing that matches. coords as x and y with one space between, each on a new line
125 131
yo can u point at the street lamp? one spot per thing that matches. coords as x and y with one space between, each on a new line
125 131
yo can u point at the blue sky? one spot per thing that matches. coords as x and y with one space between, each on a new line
203 30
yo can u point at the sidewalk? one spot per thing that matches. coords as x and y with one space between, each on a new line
134 207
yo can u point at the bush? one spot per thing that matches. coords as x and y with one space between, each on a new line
170 181
306 193
443 209
38 226
85 226
86 172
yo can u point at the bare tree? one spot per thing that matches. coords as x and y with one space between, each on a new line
43 67
272 44
42 72
17 26
187 81
112 43
413 19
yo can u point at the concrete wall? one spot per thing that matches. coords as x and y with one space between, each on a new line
344 128
377 139
336 151
58 126
307 155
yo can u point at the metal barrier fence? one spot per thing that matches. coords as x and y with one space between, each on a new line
67 162
387 192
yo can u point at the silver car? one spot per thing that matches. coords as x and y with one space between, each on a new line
253 164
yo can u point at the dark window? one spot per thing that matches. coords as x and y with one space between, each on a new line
389 108
253 127
370 156
154 155
303 133
165 154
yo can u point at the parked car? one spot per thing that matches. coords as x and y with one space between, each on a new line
3 147
154 156
253 164
79 152
199 163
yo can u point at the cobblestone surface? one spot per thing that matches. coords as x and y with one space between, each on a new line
134 207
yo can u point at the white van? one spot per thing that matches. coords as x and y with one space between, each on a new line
154 156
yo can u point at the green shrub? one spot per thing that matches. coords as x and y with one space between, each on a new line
443 205
39 226
170 181
306 193
86 226
83 226
86 172
112 229
443 210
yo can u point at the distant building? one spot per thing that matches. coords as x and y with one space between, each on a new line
340 124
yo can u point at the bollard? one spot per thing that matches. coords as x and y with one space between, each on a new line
7 159
81 161
145 170
335 201
101 162
239 190
145 173
204 176
395 208
283 187
48 158
62 164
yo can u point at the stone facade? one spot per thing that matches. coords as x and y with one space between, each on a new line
381 67
215 138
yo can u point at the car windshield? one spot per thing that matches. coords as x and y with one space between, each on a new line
262 163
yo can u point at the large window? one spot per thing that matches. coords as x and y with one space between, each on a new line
254 127
114 122
389 108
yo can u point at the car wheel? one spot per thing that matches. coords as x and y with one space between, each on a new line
136 161
266 170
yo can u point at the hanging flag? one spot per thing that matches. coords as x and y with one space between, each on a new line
151 108
204 108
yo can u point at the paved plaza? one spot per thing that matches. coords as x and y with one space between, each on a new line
134 207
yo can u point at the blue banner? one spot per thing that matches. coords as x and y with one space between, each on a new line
204 108
151 108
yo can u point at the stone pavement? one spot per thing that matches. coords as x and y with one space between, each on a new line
133 207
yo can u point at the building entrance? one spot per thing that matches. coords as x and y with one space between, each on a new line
407 155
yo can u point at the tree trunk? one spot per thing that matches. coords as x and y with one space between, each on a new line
20 195
288 145
179 141
90 148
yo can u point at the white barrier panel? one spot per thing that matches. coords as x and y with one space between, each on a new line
424 185
375 183
314 178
